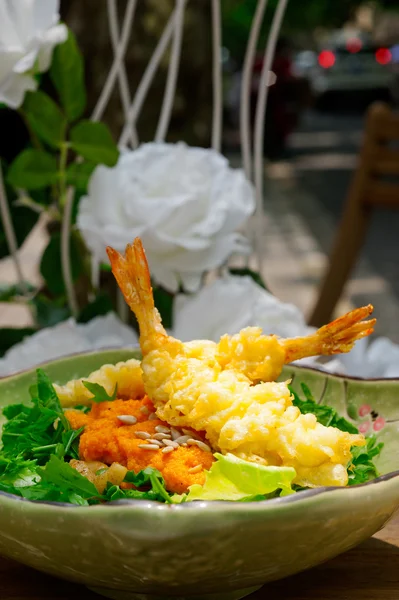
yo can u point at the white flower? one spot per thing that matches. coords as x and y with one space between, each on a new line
231 303
67 338
185 203
29 30
376 359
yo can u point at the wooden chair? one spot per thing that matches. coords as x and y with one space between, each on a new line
375 184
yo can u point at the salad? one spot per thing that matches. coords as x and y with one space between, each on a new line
113 447
197 420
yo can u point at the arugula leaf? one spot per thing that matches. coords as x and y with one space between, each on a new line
99 393
40 430
61 474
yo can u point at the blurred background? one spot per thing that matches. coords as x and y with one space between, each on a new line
333 59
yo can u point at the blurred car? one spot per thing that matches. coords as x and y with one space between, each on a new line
347 62
288 97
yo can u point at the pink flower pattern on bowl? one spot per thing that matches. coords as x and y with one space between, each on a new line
372 419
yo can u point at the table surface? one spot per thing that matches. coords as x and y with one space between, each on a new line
368 572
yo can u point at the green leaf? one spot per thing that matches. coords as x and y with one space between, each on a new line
324 414
231 478
9 336
33 169
61 474
67 74
44 118
78 174
362 468
148 478
249 272
49 312
50 265
30 431
164 303
99 393
101 305
9 293
94 142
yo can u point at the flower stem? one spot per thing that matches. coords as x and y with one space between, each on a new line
64 147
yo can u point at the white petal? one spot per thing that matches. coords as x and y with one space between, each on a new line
48 344
46 14
231 303
108 331
14 92
67 338
53 37
11 14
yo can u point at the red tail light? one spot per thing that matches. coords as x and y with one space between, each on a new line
353 45
326 59
383 56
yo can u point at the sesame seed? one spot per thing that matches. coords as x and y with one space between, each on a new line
157 442
182 439
175 433
195 469
161 436
167 449
153 417
144 410
192 434
199 444
162 429
203 446
184 445
149 446
127 419
170 443
143 435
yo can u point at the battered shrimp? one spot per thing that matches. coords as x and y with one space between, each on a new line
210 386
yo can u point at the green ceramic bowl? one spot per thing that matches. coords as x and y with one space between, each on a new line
136 549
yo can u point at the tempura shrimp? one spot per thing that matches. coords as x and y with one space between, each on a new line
210 387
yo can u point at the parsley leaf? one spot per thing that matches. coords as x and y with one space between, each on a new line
361 469
99 393
326 415
148 478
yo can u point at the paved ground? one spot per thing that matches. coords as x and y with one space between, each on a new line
303 200
314 182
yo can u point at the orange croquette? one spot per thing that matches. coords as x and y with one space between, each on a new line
106 439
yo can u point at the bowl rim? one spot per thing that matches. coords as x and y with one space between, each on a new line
221 504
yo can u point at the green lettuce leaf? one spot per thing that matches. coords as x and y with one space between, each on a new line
231 478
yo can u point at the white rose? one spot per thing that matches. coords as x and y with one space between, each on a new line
185 203
66 338
231 303
29 31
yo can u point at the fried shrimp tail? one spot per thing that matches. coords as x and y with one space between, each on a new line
335 338
133 277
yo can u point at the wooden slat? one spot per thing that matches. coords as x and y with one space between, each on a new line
382 123
381 194
383 160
